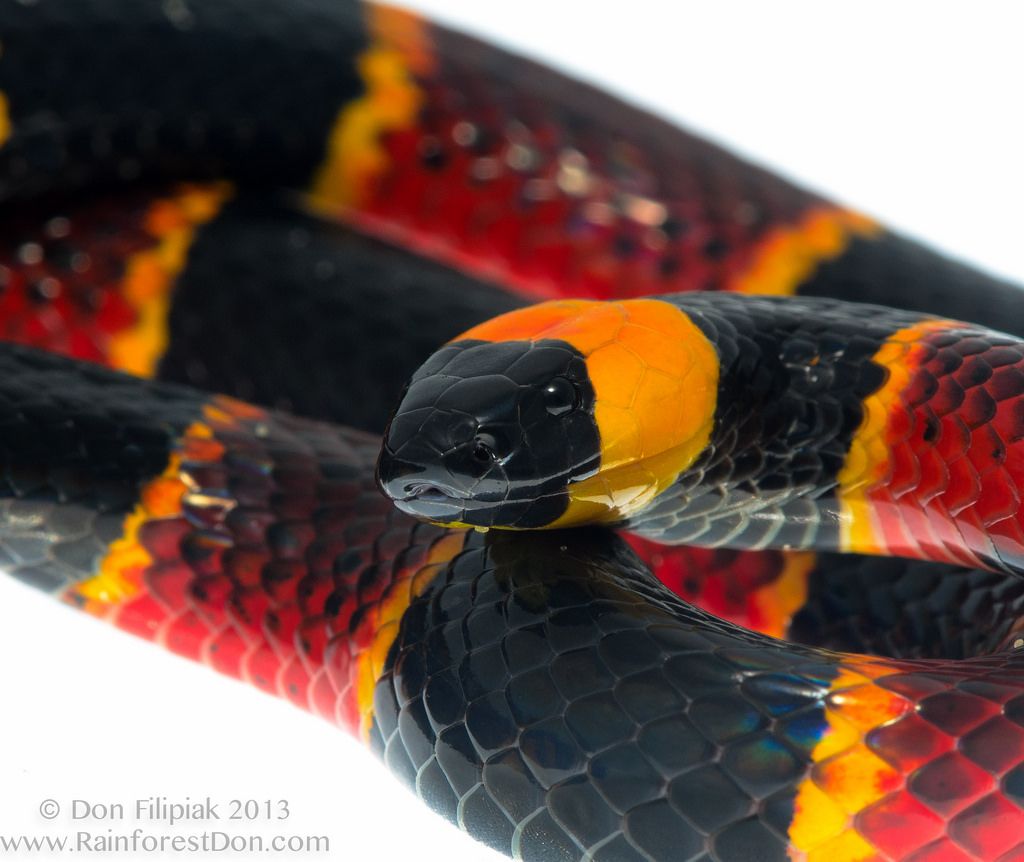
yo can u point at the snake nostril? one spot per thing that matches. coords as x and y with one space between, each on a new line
483 451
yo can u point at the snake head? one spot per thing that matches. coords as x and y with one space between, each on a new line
562 413
491 434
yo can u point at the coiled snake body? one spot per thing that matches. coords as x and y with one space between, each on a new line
559 694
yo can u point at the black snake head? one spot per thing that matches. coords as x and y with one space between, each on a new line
490 434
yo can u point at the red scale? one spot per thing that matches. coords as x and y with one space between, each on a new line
909 743
989 828
899 825
950 783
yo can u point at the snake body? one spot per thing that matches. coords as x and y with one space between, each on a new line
556 694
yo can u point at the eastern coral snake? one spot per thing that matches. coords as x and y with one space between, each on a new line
171 211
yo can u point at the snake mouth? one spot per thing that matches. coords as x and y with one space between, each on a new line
430 493
438 502
434 504
444 504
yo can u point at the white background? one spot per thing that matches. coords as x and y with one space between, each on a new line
909 111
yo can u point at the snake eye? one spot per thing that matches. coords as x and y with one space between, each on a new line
561 396
484 447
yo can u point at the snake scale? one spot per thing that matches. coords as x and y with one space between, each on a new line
178 223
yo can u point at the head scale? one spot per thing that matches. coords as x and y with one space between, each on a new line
563 413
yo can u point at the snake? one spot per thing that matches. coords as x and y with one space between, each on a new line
699 537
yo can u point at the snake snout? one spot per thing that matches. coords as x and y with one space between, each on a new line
441 470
